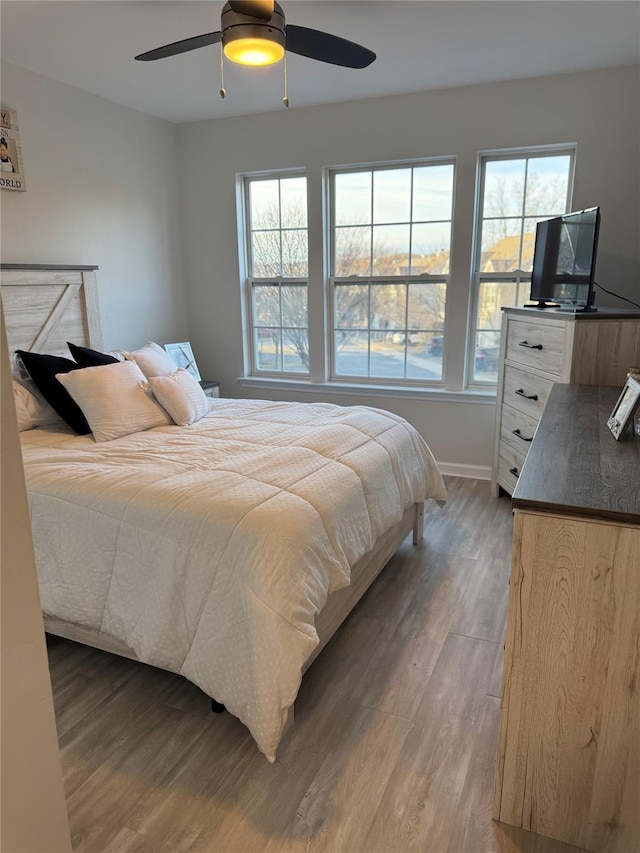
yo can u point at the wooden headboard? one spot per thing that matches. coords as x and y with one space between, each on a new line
46 306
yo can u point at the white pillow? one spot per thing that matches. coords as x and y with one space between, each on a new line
152 360
31 407
18 371
25 421
115 399
181 395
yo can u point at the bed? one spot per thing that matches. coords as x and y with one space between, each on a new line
229 551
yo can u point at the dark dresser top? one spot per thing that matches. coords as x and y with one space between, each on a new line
574 465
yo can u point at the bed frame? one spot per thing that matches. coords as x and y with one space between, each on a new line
46 306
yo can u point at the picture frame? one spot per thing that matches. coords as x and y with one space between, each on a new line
11 165
625 407
182 355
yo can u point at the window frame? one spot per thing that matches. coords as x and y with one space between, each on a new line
519 276
459 322
250 328
371 279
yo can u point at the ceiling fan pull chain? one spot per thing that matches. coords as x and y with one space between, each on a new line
223 91
285 100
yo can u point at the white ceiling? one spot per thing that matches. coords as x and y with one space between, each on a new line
421 44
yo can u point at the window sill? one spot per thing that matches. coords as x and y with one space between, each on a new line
439 395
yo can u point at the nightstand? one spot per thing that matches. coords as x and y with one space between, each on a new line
210 388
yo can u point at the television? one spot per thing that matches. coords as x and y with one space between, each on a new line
564 261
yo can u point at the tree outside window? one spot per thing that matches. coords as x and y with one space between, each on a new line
391 246
277 249
516 192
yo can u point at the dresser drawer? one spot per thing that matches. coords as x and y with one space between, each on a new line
517 429
538 345
510 464
526 392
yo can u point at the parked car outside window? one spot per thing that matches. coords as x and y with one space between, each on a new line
435 345
487 359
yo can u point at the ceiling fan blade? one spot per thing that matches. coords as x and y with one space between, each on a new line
182 46
262 9
327 48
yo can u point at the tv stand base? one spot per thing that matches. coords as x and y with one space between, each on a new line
571 309
542 304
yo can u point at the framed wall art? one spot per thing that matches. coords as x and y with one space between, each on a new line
11 165
183 356
624 408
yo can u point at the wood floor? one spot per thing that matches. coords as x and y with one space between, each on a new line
394 741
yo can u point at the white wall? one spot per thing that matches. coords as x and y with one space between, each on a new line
598 110
153 205
101 189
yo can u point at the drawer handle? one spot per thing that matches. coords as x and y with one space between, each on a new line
520 393
514 471
519 434
529 346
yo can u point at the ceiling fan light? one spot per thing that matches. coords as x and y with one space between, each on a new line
253 51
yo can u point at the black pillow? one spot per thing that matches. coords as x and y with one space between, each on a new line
42 369
86 357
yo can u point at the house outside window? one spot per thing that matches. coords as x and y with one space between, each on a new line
391 230
516 190
382 254
276 252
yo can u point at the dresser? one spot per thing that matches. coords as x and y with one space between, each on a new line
568 764
540 347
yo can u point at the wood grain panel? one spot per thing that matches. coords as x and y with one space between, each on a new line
510 464
482 612
604 352
530 385
179 806
113 786
569 724
614 810
474 832
415 813
548 336
343 800
453 532
575 464
124 841
28 312
518 429
394 681
488 515
45 308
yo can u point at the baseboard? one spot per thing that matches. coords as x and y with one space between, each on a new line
473 472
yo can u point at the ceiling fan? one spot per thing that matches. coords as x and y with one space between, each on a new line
254 32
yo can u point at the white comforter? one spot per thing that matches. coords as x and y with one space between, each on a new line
209 549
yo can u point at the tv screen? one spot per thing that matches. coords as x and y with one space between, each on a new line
564 259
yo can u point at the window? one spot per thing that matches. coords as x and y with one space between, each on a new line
516 191
356 294
277 265
391 243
